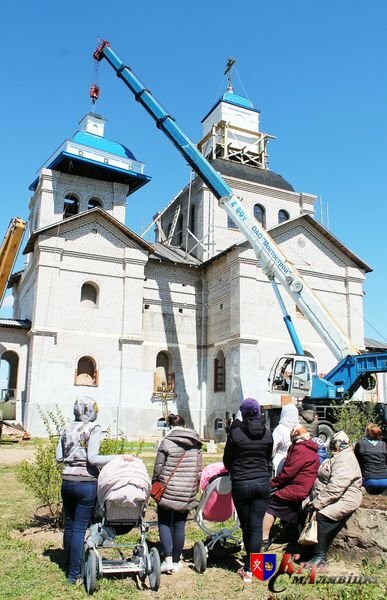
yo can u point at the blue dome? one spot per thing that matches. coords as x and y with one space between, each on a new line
237 100
101 143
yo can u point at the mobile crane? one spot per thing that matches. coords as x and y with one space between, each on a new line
354 369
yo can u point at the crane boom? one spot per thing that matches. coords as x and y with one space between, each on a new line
353 369
272 260
9 251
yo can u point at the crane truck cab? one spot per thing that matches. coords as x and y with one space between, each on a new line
293 374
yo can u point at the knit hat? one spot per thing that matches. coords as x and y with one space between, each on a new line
85 409
250 408
339 441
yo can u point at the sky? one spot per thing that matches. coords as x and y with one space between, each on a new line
316 70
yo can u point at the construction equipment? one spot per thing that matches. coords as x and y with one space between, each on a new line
9 251
8 254
298 371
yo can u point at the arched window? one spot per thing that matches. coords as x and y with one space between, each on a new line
89 294
192 220
8 372
260 214
94 203
220 372
283 216
164 378
70 205
86 372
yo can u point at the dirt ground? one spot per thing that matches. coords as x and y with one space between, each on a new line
12 454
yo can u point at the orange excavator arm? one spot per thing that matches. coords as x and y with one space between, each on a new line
9 251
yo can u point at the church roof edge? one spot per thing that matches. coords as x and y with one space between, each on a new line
128 232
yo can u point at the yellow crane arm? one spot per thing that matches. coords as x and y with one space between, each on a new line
9 251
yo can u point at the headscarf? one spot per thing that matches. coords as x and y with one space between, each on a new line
85 409
289 416
299 434
339 441
250 408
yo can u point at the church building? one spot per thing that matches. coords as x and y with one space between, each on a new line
188 323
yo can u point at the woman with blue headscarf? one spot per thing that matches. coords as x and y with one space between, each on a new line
78 450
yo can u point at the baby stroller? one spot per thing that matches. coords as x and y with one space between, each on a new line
215 506
115 517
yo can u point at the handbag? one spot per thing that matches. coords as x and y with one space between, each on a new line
158 488
309 533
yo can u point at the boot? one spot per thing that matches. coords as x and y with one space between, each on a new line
318 559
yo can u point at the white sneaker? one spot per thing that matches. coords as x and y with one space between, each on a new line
176 567
167 567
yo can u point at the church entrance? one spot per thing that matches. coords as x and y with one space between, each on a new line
9 365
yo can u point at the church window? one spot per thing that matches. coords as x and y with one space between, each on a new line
9 365
70 206
86 372
283 216
164 378
192 220
218 424
220 372
89 294
230 223
179 231
260 214
94 203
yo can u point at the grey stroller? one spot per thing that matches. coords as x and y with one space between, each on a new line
113 521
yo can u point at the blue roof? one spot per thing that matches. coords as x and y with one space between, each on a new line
234 99
238 100
101 143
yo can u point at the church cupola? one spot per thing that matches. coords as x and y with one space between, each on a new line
87 171
231 129
93 123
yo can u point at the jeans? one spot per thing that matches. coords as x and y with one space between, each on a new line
251 498
326 532
78 504
172 531
375 486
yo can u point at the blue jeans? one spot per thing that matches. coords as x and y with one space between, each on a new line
375 486
172 531
78 505
251 498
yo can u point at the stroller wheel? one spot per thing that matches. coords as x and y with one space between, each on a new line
155 573
200 557
90 571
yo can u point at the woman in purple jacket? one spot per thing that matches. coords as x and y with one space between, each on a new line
294 483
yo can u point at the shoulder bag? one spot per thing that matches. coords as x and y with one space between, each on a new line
158 488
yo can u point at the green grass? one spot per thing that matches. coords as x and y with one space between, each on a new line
30 563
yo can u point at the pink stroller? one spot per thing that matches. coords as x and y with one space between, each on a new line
215 506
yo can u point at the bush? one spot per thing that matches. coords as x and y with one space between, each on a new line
353 419
113 445
120 445
43 476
